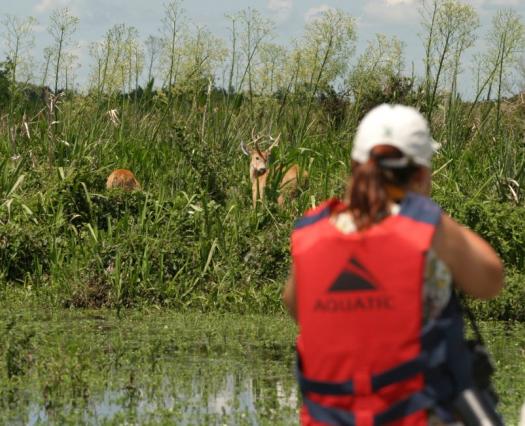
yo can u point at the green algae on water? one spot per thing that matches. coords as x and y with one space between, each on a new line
162 367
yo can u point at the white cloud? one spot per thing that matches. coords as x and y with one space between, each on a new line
398 11
46 5
503 2
494 3
281 9
395 2
316 12
392 11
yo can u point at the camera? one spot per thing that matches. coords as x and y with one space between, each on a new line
476 406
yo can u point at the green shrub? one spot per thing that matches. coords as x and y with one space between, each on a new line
73 194
191 238
509 305
501 224
268 256
145 247
24 250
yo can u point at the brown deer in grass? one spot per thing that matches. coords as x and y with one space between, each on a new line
259 171
122 178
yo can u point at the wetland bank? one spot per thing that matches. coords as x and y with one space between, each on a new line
162 367
147 367
162 305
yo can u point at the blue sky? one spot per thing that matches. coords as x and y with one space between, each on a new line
391 17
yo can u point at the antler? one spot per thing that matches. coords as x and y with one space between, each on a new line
275 142
258 148
255 141
255 138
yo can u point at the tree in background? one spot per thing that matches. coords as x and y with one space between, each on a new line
373 79
19 39
232 76
48 54
496 65
134 57
69 69
449 29
202 54
255 29
173 28
118 60
270 74
62 26
153 46
505 41
521 69
321 56
96 51
4 83
326 48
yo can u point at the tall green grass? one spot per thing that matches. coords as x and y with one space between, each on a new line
191 238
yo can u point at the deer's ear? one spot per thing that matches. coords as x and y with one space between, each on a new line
245 149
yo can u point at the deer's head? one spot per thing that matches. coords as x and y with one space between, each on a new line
259 158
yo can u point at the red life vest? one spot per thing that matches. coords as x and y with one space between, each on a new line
364 356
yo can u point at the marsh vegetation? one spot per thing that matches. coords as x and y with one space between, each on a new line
174 111
148 367
163 367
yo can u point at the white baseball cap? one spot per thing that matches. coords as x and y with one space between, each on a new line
400 126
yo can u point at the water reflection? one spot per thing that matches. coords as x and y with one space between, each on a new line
232 395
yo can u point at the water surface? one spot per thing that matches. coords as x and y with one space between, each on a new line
147 368
163 367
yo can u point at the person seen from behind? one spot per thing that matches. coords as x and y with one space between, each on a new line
372 288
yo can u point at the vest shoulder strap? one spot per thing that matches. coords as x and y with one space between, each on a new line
316 214
420 209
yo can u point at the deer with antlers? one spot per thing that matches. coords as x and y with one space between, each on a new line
259 171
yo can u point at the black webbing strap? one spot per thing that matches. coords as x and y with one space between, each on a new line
471 318
418 401
404 371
